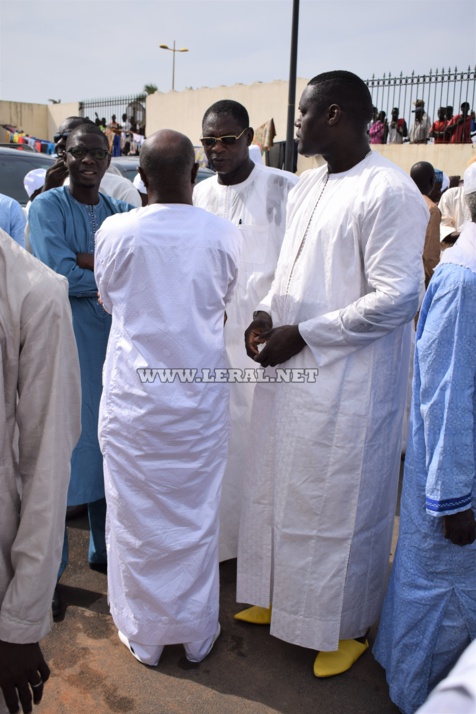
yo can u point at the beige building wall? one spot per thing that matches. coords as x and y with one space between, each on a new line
57 113
31 118
183 111
450 158
39 120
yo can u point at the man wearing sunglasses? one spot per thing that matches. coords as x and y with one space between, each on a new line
253 197
63 223
112 185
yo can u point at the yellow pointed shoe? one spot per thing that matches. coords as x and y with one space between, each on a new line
255 615
328 664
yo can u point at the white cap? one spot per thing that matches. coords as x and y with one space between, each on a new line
34 180
446 182
446 231
139 184
469 178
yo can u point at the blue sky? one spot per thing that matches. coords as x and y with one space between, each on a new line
79 49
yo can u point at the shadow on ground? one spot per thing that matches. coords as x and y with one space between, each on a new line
248 672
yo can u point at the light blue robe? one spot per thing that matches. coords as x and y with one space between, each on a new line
60 228
429 615
12 219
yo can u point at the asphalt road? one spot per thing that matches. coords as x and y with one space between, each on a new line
248 672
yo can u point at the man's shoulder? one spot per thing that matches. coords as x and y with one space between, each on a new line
123 215
454 120
451 280
450 196
213 221
205 186
31 275
8 203
269 173
120 188
112 179
54 196
388 176
116 205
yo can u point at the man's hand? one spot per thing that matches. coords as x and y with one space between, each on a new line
85 260
261 323
460 528
282 343
22 674
55 176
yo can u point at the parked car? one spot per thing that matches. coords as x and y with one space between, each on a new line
18 147
14 165
127 166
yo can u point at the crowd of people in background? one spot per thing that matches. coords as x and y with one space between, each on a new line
447 129
124 139
324 276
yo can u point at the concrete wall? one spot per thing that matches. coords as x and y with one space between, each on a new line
31 118
452 159
183 111
57 113
39 120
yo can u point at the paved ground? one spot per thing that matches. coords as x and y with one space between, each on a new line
248 672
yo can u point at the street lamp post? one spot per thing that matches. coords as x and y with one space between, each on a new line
289 151
173 50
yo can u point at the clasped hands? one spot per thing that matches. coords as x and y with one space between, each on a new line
280 343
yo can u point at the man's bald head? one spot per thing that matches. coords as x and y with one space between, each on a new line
423 175
167 158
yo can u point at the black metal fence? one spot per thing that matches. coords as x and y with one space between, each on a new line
440 88
437 89
133 106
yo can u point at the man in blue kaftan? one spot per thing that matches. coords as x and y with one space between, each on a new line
12 219
63 222
429 615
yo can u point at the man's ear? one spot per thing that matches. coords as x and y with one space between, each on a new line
108 161
250 136
194 172
143 177
333 114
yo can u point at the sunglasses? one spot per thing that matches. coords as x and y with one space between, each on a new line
96 154
63 135
225 140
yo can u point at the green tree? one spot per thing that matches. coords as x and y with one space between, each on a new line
150 88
